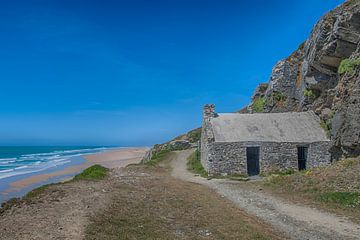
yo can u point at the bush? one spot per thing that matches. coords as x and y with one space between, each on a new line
259 104
96 172
327 127
349 65
278 96
309 93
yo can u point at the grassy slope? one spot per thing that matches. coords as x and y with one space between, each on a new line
335 187
93 173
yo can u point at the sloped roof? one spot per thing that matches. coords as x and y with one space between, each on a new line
268 127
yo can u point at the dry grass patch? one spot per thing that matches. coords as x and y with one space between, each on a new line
149 204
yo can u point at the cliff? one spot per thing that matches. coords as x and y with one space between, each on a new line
322 75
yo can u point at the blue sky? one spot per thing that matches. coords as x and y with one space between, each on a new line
137 72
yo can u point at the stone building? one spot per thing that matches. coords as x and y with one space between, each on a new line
234 143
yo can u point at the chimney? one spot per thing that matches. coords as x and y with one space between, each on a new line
209 111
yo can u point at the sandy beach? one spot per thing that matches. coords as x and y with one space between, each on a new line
110 159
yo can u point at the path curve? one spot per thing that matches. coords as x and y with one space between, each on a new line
296 221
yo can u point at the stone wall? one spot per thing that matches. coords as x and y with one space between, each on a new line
207 136
230 158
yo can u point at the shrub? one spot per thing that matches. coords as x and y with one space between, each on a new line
309 93
278 96
259 104
95 172
349 65
327 127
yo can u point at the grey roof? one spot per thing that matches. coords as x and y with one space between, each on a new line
268 127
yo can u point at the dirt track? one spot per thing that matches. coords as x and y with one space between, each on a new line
298 222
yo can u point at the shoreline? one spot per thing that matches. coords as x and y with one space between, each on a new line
110 159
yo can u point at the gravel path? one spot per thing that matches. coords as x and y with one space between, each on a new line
298 222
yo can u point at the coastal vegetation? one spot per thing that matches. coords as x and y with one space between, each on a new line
309 93
349 65
95 172
259 104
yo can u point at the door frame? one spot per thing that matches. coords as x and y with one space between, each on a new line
258 160
304 155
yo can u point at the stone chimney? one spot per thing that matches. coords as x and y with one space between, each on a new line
209 111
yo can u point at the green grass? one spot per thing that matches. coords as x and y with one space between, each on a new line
37 191
96 172
259 104
349 65
346 199
158 157
194 164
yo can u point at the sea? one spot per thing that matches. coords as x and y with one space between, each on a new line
15 161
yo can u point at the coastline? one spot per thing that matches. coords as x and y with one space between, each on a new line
19 186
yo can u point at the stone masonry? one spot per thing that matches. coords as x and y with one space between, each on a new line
224 152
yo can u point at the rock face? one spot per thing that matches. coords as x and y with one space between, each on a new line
309 80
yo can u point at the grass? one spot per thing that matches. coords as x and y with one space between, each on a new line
349 65
259 104
37 191
346 199
158 157
162 207
194 164
95 172
335 187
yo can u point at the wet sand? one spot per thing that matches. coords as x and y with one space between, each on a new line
109 159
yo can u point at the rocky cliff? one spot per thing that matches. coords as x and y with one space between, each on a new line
322 75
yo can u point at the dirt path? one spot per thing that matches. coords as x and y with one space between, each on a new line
298 222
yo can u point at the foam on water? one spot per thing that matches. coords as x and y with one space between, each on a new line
26 163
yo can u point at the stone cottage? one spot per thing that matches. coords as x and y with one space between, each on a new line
234 143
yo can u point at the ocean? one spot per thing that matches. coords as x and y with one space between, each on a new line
15 161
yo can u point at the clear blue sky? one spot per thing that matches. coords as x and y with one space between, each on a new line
136 72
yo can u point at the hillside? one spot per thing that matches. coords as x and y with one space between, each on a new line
335 187
322 75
